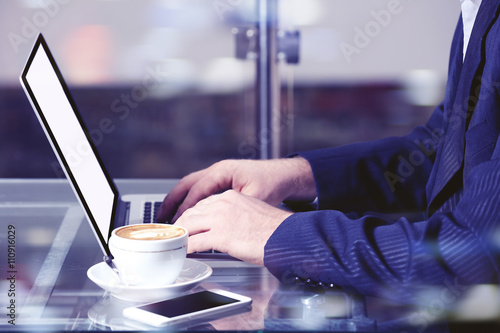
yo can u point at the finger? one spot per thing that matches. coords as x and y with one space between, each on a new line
194 221
176 196
204 188
167 209
211 241
200 242
198 229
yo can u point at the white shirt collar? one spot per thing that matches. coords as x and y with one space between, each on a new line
469 13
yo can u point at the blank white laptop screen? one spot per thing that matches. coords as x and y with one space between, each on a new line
56 112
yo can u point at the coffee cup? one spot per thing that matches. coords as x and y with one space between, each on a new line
149 254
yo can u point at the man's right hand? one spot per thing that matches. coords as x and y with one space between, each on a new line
271 181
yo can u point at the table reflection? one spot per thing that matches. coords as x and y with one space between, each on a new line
55 247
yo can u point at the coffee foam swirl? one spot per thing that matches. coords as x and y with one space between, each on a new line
148 232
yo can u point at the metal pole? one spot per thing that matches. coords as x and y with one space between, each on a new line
267 81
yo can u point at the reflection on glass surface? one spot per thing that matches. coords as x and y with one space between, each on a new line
156 81
161 89
367 70
56 247
163 94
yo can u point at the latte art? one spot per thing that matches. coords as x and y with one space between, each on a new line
150 232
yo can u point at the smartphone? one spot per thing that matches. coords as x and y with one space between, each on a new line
189 307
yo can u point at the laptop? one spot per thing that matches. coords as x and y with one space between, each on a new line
104 208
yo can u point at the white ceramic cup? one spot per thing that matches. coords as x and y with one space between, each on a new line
147 259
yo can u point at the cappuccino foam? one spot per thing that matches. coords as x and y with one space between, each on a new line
150 232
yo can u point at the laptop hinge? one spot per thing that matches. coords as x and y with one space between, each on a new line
122 214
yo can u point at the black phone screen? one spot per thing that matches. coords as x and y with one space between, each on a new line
188 304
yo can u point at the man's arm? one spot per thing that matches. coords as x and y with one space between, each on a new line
373 256
388 175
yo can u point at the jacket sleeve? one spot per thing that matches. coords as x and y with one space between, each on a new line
373 256
387 175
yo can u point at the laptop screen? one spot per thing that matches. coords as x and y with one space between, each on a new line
62 124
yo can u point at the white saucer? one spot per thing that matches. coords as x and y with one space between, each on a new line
193 272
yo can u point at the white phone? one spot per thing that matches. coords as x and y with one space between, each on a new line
185 308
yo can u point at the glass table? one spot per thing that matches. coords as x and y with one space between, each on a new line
48 246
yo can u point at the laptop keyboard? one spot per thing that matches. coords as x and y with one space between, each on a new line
150 211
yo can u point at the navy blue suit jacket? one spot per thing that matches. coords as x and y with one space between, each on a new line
448 169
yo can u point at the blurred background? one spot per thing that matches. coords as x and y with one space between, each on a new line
163 92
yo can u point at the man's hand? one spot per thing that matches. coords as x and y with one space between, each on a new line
233 223
271 181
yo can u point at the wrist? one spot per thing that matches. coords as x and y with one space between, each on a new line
301 183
